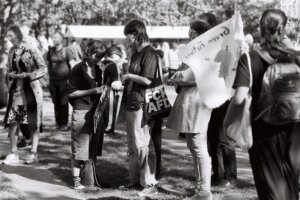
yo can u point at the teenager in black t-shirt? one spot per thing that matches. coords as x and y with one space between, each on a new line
143 64
274 156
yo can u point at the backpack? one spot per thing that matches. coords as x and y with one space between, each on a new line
88 174
279 100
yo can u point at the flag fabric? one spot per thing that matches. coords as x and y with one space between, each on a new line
212 58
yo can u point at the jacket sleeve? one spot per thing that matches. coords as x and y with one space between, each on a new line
41 68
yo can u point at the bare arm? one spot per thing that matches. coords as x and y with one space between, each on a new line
81 93
138 79
236 104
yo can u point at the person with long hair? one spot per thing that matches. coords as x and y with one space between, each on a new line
191 116
141 72
274 156
26 67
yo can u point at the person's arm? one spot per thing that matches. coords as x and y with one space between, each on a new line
138 79
81 93
184 78
236 105
150 64
41 68
241 85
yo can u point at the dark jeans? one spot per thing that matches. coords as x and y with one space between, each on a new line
221 147
58 91
275 162
155 131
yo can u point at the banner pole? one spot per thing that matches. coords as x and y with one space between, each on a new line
235 6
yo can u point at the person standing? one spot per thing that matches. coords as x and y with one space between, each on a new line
143 64
108 75
274 156
86 145
221 148
26 66
173 58
191 116
59 74
74 52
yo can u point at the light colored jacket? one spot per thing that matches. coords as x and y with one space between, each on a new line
35 64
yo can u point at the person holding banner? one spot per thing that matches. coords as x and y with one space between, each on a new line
221 148
191 116
274 156
141 72
85 142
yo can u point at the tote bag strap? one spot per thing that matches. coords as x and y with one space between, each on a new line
250 70
157 76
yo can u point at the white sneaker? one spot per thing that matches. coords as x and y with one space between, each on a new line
11 158
32 158
149 191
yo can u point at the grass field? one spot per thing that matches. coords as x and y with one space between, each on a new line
112 168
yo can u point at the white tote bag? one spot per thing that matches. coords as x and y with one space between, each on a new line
240 129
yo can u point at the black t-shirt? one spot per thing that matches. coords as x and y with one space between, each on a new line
58 67
143 63
109 75
259 67
80 80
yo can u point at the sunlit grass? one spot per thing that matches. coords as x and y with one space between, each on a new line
112 169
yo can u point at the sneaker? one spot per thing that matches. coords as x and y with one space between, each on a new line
11 158
23 144
32 158
148 191
130 186
64 128
200 195
77 184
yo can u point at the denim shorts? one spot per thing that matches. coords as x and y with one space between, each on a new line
80 135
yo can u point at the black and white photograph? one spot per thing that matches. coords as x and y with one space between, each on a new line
149 99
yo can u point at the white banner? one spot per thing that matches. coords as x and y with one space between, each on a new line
212 57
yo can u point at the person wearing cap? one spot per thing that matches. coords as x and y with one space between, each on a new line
109 76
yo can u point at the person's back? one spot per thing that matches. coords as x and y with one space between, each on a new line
273 145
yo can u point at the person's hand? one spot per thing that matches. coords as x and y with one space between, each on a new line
244 48
98 90
177 77
12 75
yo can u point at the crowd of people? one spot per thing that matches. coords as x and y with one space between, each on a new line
92 76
